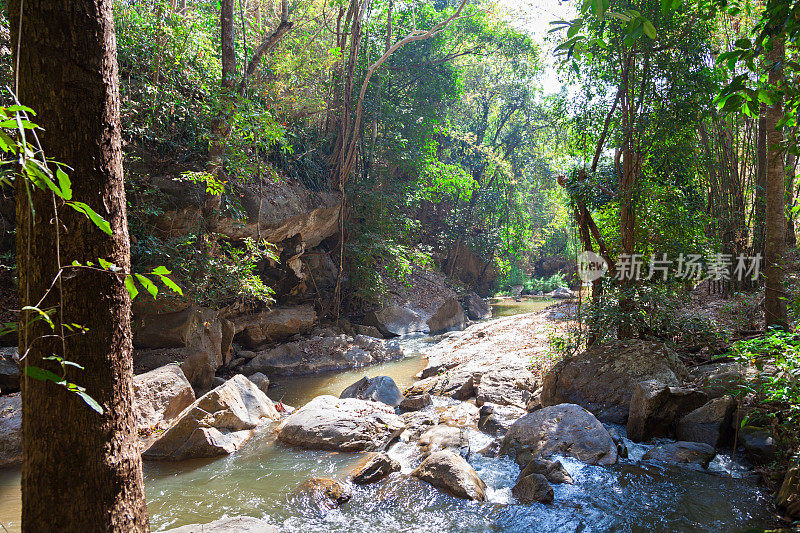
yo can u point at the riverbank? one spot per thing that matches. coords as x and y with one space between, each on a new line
264 478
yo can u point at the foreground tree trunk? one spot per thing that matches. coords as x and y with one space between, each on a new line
775 228
81 470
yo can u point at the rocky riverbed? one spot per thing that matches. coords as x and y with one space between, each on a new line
492 434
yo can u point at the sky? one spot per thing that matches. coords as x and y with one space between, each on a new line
535 17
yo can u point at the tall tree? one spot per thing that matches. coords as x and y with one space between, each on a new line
775 228
81 470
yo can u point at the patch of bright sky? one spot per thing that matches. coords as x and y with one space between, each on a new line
534 16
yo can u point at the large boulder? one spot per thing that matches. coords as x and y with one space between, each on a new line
506 387
449 315
719 379
758 443
562 293
394 320
322 494
495 419
160 395
348 424
656 408
191 337
261 381
378 389
476 307
450 472
443 438
10 430
533 488
322 354
565 429
218 423
374 467
711 423
9 370
603 378
415 403
253 331
231 524
553 471
680 452
458 383
788 497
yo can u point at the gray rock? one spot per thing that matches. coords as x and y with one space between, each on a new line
261 381
191 337
566 429
323 494
378 389
443 438
394 320
495 419
656 408
711 423
253 331
161 395
449 315
368 331
10 430
562 293
476 307
513 386
719 379
533 488
322 354
603 378
450 472
374 467
553 471
218 423
415 403
9 370
458 384
234 524
682 453
758 444
346 424
418 423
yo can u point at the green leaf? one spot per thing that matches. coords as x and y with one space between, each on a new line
649 29
148 285
131 286
620 16
99 221
161 271
41 374
90 401
64 184
171 284
106 265
41 313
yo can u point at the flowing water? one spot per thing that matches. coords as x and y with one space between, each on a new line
261 478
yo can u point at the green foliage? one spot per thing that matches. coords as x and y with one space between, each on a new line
776 356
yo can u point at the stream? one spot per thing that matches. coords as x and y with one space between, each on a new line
259 480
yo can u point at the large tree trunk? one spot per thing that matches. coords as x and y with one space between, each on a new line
81 470
775 229
759 209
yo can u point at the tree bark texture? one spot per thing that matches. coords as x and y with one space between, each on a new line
775 228
81 470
